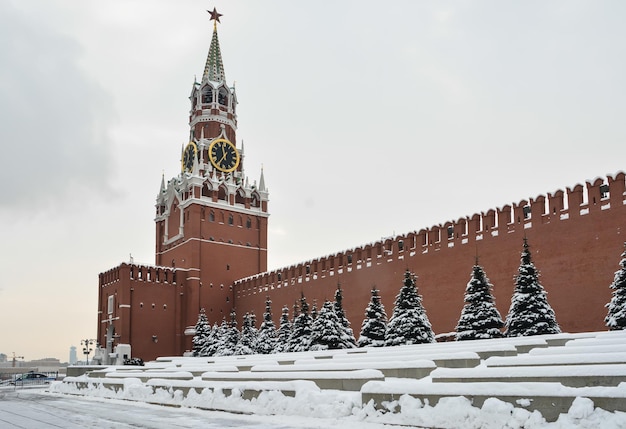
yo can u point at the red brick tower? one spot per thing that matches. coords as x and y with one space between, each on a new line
211 229
211 222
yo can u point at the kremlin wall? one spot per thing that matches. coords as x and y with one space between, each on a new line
576 239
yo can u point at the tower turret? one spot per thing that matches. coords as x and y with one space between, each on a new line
213 102
210 222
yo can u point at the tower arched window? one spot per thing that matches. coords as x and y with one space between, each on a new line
207 95
222 96
206 192
240 197
254 201
222 195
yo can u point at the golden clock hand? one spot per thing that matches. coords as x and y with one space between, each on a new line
223 153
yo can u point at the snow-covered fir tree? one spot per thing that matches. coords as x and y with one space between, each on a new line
210 346
220 337
530 313
616 317
248 338
314 310
327 329
374 325
255 331
409 323
480 318
347 335
284 332
300 337
229 336
200 338
266 343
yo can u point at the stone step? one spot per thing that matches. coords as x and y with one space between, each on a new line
579 350
392 368
149 375
447 359
573 376
337 380
557 359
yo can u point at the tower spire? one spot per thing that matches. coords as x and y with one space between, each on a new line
214 67
162 190
262 181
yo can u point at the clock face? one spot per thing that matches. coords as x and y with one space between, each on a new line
190 153
223 155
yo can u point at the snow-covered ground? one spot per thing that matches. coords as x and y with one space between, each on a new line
302 404
328 409
37 409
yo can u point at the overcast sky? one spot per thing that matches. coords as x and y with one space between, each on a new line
369 119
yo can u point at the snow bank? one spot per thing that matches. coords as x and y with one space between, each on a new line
458 413
309 401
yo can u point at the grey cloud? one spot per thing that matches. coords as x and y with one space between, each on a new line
54 118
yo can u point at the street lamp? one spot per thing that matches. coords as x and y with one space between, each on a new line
86 343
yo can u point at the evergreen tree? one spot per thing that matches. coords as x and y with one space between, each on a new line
220 337
374 325
249 337
229 336
267 332
530 313
409 323
616 317
480 318
284 332
314 310
347 334
300 337
200 338
327 329
211 344
254 332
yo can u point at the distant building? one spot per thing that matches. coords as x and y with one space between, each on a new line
3 358
73 356
211 225
45 364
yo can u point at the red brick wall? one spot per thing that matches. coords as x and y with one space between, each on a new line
576 239
146 311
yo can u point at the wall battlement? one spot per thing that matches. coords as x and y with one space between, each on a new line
597 196
138 272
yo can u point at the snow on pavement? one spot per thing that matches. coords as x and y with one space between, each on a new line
37 409
333 409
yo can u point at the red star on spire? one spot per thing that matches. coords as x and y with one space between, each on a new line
215 16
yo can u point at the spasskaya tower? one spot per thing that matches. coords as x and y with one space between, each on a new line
210 219
211 229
